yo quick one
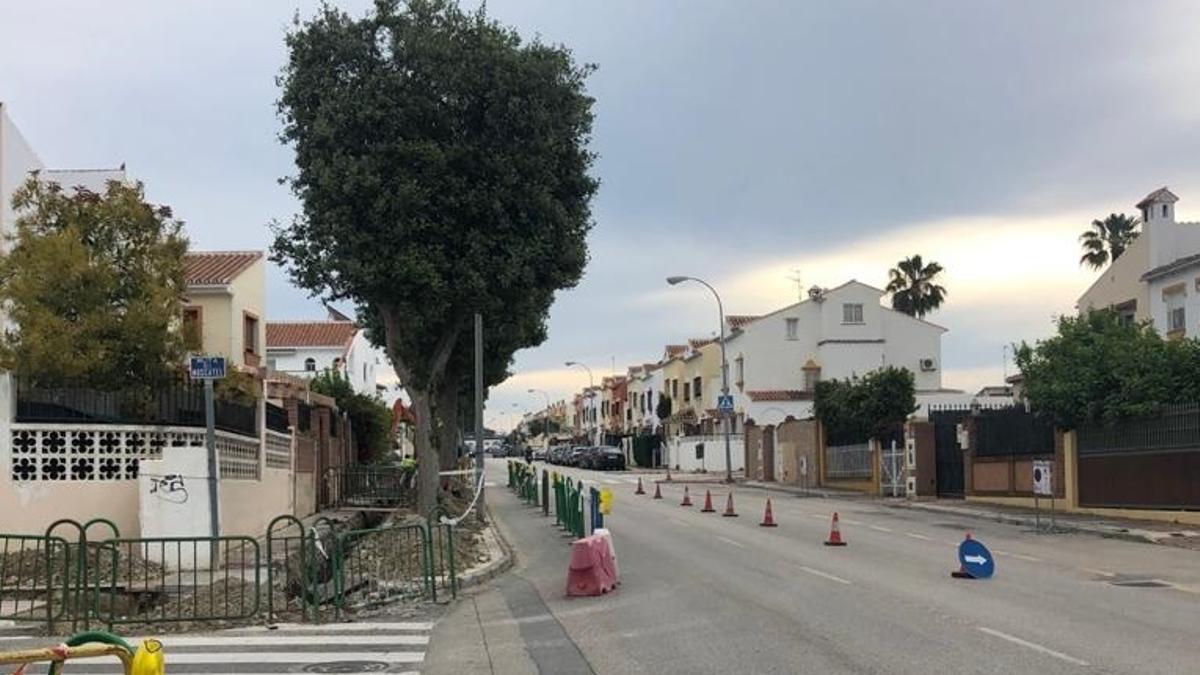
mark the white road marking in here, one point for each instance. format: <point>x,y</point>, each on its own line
<point>824,575</point>
<point>817,516</point>
<point>330,627</point>
<point>679,521</point>
<point>881,528</point>
<point>1103,573</point>
<point>488,484</point>
<point>221,640</point>
<point>852,522</point>
<point>1034,646</point>
<point>1019,556</point>
<point>1185,589</point>
<point>610,481</point>
<point>731,542</point>
<point>917,535</point>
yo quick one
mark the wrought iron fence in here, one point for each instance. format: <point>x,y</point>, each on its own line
<point>173,404</point>
<point>849,461</point>
<point>1011,431</point>
<point>277,418</point>
<point>373,566</point>
<point>371,487</point>
<point>35,575</point>
<point>1172,427</point>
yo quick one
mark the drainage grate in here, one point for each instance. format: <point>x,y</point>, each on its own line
<point>1140,583</point>
<point>347,667</point>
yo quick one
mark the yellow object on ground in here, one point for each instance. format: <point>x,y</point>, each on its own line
<point>148,659</point>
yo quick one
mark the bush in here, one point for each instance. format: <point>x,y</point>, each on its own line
<point>370,418</point>
<point>853,411</point>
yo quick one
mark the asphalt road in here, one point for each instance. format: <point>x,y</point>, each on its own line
<point>706,594</point>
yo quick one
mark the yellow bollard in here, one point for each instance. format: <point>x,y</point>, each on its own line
<point>148,659</point>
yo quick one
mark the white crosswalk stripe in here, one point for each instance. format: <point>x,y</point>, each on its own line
<point>392,647</point>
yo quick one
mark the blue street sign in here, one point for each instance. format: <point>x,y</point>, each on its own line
<point>725,403</point>
<point>208,367</point>
<point>975,559</point>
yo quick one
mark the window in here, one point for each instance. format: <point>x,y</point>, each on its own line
<point>687,392</point>
<point>1164,210</point>
<point>811,377</point>
<point>310,364</point>
<point>740,365</point>
<point>250,333</point>
<point>1176,321</point>
<point>675,389</point>
<point>696,388</point>
<point>793,329</point>
<point>193,328</point>
<point>271,364</point>
<point>1176,316</point>
<point>364,372</point>
<point>852,312</point>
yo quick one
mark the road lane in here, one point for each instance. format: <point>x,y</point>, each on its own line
<point>702,593</point>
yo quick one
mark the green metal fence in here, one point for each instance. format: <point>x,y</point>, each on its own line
<point>372,566</point>
<point>292,568</point>
<point>35,574</point>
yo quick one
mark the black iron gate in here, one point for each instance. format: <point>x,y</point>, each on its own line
<point>948,454</point>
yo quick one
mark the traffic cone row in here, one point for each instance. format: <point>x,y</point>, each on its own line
<point>729,512</point>
<point>768,517</point>
<point>657,491</point>
<point>639,491</point>
<point>835,533</point>
<point>687,499</point>
<point>708,508</point>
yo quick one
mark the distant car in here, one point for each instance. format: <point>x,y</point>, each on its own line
<point>590,457</point>
<point>540,455</point>
<point>576,455</point>
<point>608,457</point>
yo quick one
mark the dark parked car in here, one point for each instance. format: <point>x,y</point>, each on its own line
<point>607,457</point>
<point>576,455</point>
<point>587,460</point>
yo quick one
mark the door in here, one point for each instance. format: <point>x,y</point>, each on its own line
<point>948,455</point>
<point>768,454</point>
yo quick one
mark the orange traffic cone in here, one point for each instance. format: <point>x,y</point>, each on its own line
<point>729,512</point>
<point>708,503</point>
<point>835,533</point>
<point>657,491</point>
<point>687,500</point>
<point>768,517</point>
<point>961,572</point>
<point>639,491</point>
<point>668,474</point>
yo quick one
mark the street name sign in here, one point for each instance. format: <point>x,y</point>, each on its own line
<point>207,367</point>
<point>1042,484</point>
<point>975,559</point>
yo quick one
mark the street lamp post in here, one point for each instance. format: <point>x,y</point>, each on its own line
<point>546,422</point>
<point>724,368</point>
<point>591,394</point>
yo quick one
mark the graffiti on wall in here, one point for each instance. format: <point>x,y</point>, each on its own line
<point>169,488</point>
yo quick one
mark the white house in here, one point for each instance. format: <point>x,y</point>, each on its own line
<point>1157,278</point>
<point>305,348</point>
<point>776,360</point>
<point>645,384</point>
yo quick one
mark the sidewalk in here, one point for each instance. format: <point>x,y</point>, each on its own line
<point>1152,532</point>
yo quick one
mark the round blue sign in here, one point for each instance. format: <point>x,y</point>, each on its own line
<point>975,559</point>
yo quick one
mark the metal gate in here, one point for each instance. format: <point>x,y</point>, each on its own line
<point>891,469</point>
<point>948,454</point>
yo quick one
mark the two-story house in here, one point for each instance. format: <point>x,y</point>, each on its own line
<point>224,306</point>
<point>305,348</point>
<point>842,332</point>
<point>1157,278</point>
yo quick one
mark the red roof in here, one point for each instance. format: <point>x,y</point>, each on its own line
<point>676,350</point>
<point>217,268</point>
<point>310,333</point>
<point>739,320</point>
<point>697,343</point>
<point>779,395</point>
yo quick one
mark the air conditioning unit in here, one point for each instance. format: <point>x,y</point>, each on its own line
<point>928,365</point>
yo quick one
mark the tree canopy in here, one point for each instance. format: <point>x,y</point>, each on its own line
<point>370,418</point>
<point>1099,367</point>
<point>1107,240</point>
<point>92,283</point>
<point>853,411</point>
<point>442,168</point>
<point>914,287</point>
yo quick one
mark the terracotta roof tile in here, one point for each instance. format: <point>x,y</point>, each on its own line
<point>217,268</point>
<point>310,333</point>
<point>779,395</point>
<point>697,343</point>
<point>739,320</point>
<point>676,350</point>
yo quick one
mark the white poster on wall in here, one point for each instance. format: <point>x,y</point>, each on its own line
<point>1042,485</point>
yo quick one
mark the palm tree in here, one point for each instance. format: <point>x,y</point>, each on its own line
<point>1107,240</point>
<point>913,289</point>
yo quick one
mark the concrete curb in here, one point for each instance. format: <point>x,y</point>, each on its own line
<point>1103,530</point>
<point>501,554</point>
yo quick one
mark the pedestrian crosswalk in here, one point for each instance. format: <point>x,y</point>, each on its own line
<point>367,647</point>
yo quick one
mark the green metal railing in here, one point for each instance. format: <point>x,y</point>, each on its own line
<point>381,564</point>
<point>291,554</point>
<point>33,570</point>
<point>442,569</point>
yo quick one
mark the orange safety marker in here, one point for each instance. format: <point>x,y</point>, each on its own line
<point>768,517</point>
<point>657,491</point>
<point>708,503</point>
<point>835,533</point>
<point>729,512</point>
<point>639,491</point>
<point>668,474</point>
<point>687,500</point>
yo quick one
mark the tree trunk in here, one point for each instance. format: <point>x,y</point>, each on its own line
<point>427,456</point>
<point>447,420</point>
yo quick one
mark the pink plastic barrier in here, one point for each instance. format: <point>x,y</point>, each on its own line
<point>592,570</point>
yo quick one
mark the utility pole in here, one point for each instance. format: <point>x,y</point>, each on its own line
<point>479,410</point>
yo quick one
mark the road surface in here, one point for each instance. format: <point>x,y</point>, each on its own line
<point>705,594</point>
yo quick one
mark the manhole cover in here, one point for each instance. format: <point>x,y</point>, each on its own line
<point>1140,583</point>
<point>347,667</point>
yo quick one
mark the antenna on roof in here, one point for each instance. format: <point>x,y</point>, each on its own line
<point>799,281</point>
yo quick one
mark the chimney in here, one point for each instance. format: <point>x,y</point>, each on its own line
<point>1158,224</point>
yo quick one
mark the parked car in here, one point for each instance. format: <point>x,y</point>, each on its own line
<point>576,455</point>
<point>587,458</point>
<point>539,455</point>
<point>607,457</point>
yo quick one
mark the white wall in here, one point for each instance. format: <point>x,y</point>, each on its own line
<point>17,159</point>
<point>1189,277</point>
<point>363,362</point>
<point>681,453</point>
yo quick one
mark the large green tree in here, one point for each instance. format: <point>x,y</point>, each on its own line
<point>914,288</point>
<point>853,411</point>
<point>92,283</point>
<point>1099,367</point>
<point>442,168</point>
<point>1107,240</point>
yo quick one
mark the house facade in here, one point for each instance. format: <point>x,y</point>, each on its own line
<point>305,348</point>
<point>776,360</point>
<point>1157,278</point>
<point>225,304</point>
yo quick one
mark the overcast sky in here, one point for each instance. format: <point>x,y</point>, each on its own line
<point>737,141</point>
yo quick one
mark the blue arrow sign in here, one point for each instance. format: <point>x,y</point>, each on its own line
<point>207,367</point>
<point>975,559</point>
